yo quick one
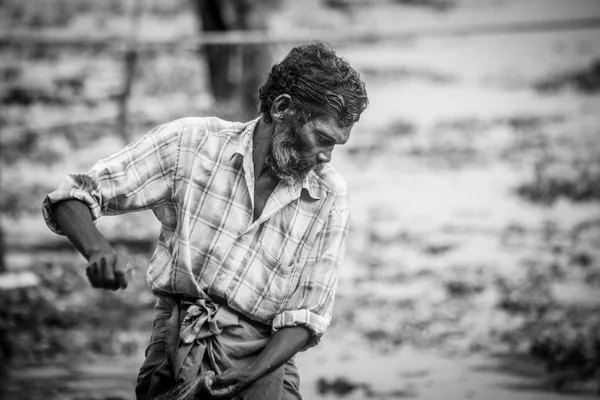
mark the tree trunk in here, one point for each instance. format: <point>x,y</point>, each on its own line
<point>224,61</point>
<point>2,252</point>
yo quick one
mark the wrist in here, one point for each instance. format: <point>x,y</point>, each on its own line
<point>253,372</point>
<point>98,251</point>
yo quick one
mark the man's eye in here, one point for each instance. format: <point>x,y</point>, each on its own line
<point>325,141</point>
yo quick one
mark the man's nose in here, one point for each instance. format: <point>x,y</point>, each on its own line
<point>324,156</point>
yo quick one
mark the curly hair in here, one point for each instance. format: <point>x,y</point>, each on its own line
<point>319,82</point>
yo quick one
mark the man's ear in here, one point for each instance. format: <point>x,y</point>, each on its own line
<point>282,107</point>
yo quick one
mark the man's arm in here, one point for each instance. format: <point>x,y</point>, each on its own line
<point>105,268</point>
<point>282,346</point>
<point>137,177</point>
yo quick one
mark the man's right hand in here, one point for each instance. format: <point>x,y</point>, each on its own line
<point>108,270</point>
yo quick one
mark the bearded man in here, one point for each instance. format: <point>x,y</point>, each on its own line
<point>254,225</point>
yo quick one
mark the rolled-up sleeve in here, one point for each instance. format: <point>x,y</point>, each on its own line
<point>311,304</point>
<point>138,177</point>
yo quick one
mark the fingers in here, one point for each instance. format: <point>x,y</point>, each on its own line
<point>228,384</point>
<point>224,379</point>
<point>120,272</point>
<point>108,276</point>
<point>93,274</point>
<point>214,392</point>
<point>108,271</point>
<point>207,382</point>
<point>224,393</point>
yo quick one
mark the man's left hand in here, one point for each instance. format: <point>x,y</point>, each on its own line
<point>227,384</point>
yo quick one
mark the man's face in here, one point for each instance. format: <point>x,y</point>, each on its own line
<point>296,150</point>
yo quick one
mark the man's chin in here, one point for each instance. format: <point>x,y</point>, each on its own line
<point>293,179</point>
<point>299,176</point>
<point>318,168</point>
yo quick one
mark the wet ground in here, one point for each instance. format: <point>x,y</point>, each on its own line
<point>451,271</point>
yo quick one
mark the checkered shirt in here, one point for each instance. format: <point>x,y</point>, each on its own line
<point>196,175</point>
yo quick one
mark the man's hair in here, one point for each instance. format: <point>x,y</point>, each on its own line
<point>319,82</point>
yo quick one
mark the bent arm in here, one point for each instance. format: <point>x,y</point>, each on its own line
<point>137,177</point>
<point>282,346</point>
<point>73,217</point>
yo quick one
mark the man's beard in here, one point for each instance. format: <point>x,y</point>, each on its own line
<point>284,158</point>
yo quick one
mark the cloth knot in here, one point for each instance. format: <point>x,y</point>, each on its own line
<point>201,320</point>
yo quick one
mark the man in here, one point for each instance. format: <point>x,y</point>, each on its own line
<point>254,225</point>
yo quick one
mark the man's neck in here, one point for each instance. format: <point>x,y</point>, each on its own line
<point>264,181</point>
<point>261,146</point>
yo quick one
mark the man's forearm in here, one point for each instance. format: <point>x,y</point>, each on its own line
<point>74,219</point>
<point>105,269</point>
<point>282,346</point>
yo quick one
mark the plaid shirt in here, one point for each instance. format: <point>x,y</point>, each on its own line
<point>196,174</point>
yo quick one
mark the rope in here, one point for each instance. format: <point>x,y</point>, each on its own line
<point>358,35</point>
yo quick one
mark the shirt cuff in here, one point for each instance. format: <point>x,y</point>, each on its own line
<point>316,323</point>
<point>61,195</point>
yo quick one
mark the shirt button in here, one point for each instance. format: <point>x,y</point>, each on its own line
<point>222,277</point>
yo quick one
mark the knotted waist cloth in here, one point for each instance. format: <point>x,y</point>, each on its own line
<point>193,336</point>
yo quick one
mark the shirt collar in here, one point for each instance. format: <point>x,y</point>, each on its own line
<point>245,141</point>
<point>311,183</point>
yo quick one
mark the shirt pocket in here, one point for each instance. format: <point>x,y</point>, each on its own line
<point>280,275</point>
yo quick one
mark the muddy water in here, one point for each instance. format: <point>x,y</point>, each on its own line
<point>99,379</point>
<point>423,374</point>
<point>360,373</point>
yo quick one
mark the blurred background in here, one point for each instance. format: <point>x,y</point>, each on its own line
<point>473,265</point>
